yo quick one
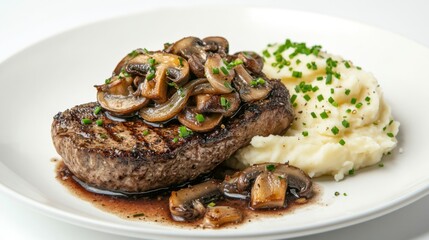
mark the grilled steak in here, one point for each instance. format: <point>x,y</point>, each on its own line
<point>133,156</point>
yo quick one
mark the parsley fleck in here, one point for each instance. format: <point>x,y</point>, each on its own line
<point>342,142</point>
<point>97,110</point>
<point>86,121</point>
<point>145,132</point>
<point>99,122</point>
<point>305,133</point>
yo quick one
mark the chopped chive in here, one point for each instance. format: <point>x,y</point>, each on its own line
<point>313,66</point>
<point>324,115</point>
<point>145,132</point>
<point>215,70</point>
<point>352,171</point>
<point>86,121</point>
<point>335,130</point>
<point>99,122</point>
<point>315,89</point>
<point>320,98</point>
<point>150,76</point>
<point>367,99</point>
<point>347,64</point>
<point>296,74</point>
<point>271,167</point>
<point>332,91</point>
<point>308,65</point>
<point>200,118</point>
<point>224,70</point>
<point>184,132</point>
<point>359,68</point>
<point>266,53</point>
<point>347,92</point>
<point>337,194</point>
<point>293,98</point>
<point>353,101</point>
<point>305,133</point>
<point>359,105</point>
<point>307,97</point>
<point>348,110</point>
<point>313,115</point>
<point>97,110</point>
<point>133,54</point>
<point>390,134</point>
<point>381,164</point>
<point>181,61</point>
<point>342,142</point>
<point>175,140</point>
<point>345,123</point>
<point>151,61</point>
<point>108,80</point>
<point>319,78</point>
<point>328,79</point>
<point>298,61</point>
<point>211,204</point>
<point>225,103</point>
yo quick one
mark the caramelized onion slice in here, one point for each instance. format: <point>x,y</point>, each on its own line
<point>199,122</point>
<point>173,106</point>
<point>218,74</point>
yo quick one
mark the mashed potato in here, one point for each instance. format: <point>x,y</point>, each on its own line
<point>342,123</point>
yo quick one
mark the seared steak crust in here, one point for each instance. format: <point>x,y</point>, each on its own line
<point>124,157</point>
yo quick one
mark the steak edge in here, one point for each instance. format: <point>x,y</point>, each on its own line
<point>124,157</point>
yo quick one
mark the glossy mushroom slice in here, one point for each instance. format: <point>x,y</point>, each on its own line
<point>239,184</point>
<point>216,44</point>
<point>175,104</point>
<point>193,50</point>
<point>252,61</point>
<point>189,203</point>
<point>157,68</point>
<point>250,88</point>
<point>119,96</point>
<point>268,191</point>
<point>218,74</point>
<point>227,104</point>
<point>199,122</point>
<point>220,215</point>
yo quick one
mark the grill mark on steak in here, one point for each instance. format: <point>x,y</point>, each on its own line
<point>127,161</point>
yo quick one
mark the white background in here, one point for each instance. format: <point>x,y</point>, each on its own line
<point>25,22</point>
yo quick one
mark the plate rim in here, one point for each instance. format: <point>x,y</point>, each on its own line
<point>421,191</point>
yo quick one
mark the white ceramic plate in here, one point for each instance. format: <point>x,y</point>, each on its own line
<point>59,73</point>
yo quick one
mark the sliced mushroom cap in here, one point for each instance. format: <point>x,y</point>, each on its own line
<point>218,74</point>
<point>227,104</point>
<point>188,203</point>
<point>268,191</point>
<point>192,49</point>
<point>119,97</point>
<point>250,89</point>
<point>175,104</point>
<point>221,215</point>
<point>239,184</point>
<point>251,60</point>
<point>157,68</point>
<point>217,44</point>
<point>199,122</point>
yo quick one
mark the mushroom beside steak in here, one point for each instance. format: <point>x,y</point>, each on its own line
<point>266,186</point>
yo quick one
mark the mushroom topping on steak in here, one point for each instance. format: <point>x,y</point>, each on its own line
<point>204,120</point>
